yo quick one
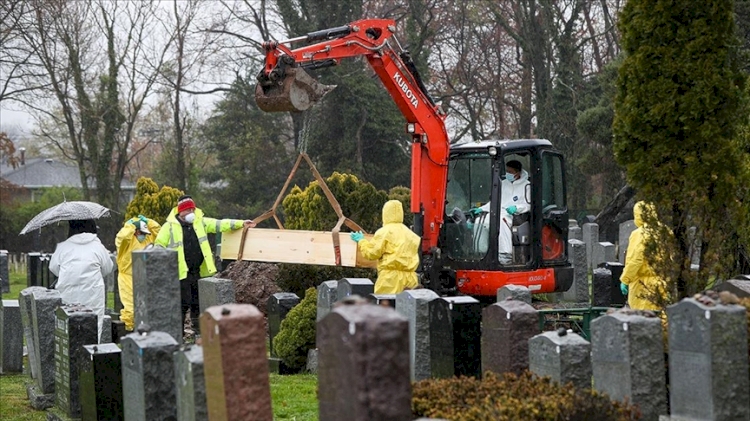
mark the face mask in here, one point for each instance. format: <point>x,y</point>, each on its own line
<point>190,218</point>
<point>510,177</point>
<point>141,237</point>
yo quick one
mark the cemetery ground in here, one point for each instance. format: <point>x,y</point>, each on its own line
<point>294,396</point>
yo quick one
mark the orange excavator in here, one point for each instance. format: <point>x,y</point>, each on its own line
<point>456,189</point>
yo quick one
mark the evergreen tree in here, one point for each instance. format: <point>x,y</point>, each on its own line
<point>680,104</point>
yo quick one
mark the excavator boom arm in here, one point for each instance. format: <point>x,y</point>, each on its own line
<point>284,86</point>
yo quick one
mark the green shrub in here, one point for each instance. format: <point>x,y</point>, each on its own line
<point>516,398</point>
<point>297,333</point>
<point>151,201</point>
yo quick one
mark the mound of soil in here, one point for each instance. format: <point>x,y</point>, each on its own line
<point>254,282</point>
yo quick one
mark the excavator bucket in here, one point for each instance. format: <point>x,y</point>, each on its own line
<point>297,91</point>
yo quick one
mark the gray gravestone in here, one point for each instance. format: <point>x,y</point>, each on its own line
<point>156,291</point>
<point>579,291</point>
<point>11,337</point>
<point>100,378</point>
<point>278,307</point>
<point>414,305</point>
<point>386,300</point>
<point>602,287</point>
<point>708,364</point>
<point>455,337</point>
<point>627,361</point>
<point>626,228</point>
<point>738,287</point>
<point>75,326</point>
<point>327,293</point>
<point>590,237</point>
<point>575,233</point>
<point>507,327</point>
<point>148,376</point>
<point>25,297</point>
<point>191,385</point>
<point>354,286</point>
<point>514,292</point>
<point>109,279</point>
<point>572,223</point>
<point>215,292</point>
<point>364,365</point>
<point>4,272</point>
<point>602,252</point>
<point>106,330</point>
<point>43,305</point>
<point>563,356</point>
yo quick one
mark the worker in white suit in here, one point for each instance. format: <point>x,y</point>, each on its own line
<point>513,201</point>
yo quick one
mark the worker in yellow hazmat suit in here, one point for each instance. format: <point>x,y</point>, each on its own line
<point>395,247</point>
<point>136,234</point>
<point>638,280</point>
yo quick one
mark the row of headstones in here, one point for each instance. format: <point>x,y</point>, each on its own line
<point>453,336</point>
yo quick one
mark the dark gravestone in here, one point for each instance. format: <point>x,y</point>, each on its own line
<point>25,298</point>
<point>354,286</point>
<point>156,291</point>
<point>100,379</point>
<point>106,336</point>
<point>563,356</point>
<point>37,270</point>
<point>514,292</point>
<point>214,292</point>
<point>507,327</point>
<point>386,300</point>
<point>627,361</point>
<point>277,307</point>
<point>414,305</point>
<point>118,301</point>
<point>602,287</point>
<point>616,297</point>
<point>118,330</point>
<point>4,272</point>
<point>44,302</point>
<point>455,337</point>
<point>235,363</point>
<point>75,326</point>
<point>11,337</point>
<point>708,364</point>
<point>191,385</point>
<point>364,365</point>
<point>327,293</point>
<point>737,287</point>
<point>148,388</point>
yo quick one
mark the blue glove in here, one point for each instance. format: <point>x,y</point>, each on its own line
<point>475,211</point>
<point>469,225</point>
<point>143,219</point>
<point>624,288</point>
<point>357,236</point>
<point>511,209</point>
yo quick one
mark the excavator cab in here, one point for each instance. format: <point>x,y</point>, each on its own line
<point>482,245</point>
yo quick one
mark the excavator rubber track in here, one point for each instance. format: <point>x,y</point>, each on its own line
<point>295,91</point>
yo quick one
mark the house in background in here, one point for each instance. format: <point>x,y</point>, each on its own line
<point>33,175</point>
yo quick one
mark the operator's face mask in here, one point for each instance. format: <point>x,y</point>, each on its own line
<point>190,218</point>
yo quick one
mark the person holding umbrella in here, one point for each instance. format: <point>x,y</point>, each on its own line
<point>136,234</point>
<point>80,263</point>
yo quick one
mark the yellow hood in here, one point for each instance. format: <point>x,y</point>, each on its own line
<point>638,211</point>
<point>393,212</point>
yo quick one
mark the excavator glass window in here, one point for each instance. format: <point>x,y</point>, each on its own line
<point>469,187</point>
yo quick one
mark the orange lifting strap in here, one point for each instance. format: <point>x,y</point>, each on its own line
<point>332,200</point>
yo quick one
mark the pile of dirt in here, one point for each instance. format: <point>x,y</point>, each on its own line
<point>254,282</point>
